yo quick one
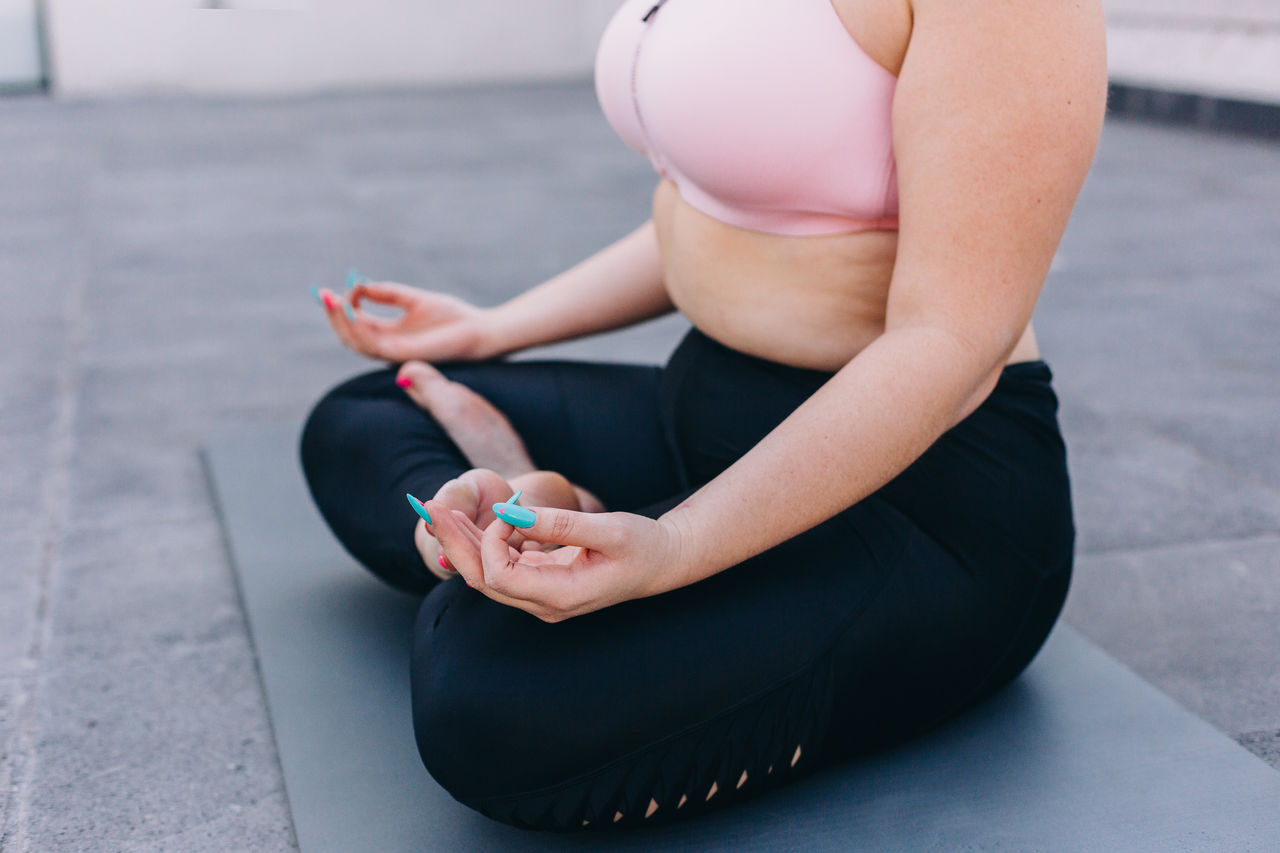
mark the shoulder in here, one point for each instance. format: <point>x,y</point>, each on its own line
<point>1043,31</point>
<point>1039,64</point>
<point>996,117</point>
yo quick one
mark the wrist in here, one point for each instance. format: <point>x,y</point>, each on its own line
<point>680,559</point>
<point>496,336</point>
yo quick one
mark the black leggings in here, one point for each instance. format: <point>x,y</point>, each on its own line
<point>889,618</point>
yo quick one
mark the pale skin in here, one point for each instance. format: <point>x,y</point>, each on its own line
<point>996,117</point>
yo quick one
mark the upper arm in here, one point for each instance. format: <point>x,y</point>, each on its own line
<point>996,117</point>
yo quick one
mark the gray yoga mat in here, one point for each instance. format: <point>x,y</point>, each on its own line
<point>1078,755</point>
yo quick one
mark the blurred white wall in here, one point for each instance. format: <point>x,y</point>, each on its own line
<point>1226,47</point>
<point>281,46</point>
<point>19,46</point>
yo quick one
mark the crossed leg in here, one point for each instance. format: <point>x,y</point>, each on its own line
<point>575,434</point>
<point>853,634</point>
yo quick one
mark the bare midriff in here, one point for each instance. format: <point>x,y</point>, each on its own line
<point>811,301</point>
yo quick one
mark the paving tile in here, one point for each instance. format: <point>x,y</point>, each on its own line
<point>20,559</point>
<point>194,226</point>
<point>143,751</point>
<point>8,747</point>
<point>1136,488</point>
<point>167,570</point>
<point>1200,621</point>
<point>25,456</point>
<point>19,593</point>
<point>152,723</point>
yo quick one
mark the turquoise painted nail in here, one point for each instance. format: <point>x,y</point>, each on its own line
<point>353,277</point>
<point>516,516</point>
<point>315,294</point>
<point>350,312</point>
<point>419,508</point>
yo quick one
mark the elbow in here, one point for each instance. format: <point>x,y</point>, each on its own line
<point>987,354</point>
<point>978,396</point>
<point>974,361</point>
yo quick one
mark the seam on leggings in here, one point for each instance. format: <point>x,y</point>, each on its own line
<point>825,650</point>
<point>929,535</point>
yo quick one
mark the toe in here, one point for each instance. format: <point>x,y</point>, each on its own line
<point>456,406</point>
<point>419,380</point>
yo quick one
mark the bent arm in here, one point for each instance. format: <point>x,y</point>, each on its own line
<point>618,286</point>
<point>996,119</point>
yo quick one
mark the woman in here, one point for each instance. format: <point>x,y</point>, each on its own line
<point>840,514</point>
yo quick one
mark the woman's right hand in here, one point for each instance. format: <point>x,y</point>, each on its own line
<point>434,327</point>
<point>474,492</point>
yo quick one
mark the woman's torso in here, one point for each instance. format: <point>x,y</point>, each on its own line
<point>813,300</point>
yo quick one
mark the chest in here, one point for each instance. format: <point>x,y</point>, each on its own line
<point>754,104</point>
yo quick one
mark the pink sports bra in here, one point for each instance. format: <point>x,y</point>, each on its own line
<point>765,114</point>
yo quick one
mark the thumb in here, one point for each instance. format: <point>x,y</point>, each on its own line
<point>598,531</point>
<point>385,292</point>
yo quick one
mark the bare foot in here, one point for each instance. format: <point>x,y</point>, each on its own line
<point>482,433</point>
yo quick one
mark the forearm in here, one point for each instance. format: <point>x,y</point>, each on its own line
<point>871,420</point>
<point>619,285</point>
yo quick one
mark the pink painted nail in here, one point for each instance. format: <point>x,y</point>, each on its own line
<point>328,300</point>
<point>443,564</point>
<point>404,381</point>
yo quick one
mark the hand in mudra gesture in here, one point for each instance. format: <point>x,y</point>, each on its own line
<point>433,326</point>
<point>473,494</point>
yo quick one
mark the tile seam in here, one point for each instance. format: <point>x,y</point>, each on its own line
<point>54,506</point>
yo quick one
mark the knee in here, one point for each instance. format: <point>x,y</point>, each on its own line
<point>342,451</point>
<point>460,713</point>
<point>529,746</point>
<point>334,422</point>
<point>486,725</point>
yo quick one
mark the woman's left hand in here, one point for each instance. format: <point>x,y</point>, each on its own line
<point>606,558</point>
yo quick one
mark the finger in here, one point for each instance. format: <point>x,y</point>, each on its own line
<point>368,336</point>
<point>350,326</point>
<point>504,573</point>
<point>495,550</point>
<point>533,578</point>
<point>598,531</point>
<point>385,293</point>
<point>463,537</point>
<point>337,319</point>
<point>460,545</point>
<point>470,566</point>
<point>472,494</point>
<point>379,325</point>
<point>369,322</point>
<point>432,556</point>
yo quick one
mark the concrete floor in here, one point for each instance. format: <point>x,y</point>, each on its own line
<point>154,257</point>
